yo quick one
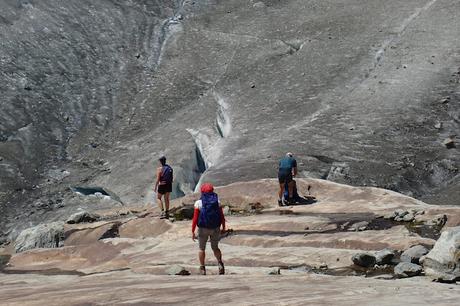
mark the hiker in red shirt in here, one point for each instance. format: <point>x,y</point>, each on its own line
<point>209,217</point>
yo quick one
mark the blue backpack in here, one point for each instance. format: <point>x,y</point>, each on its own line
<point>210,211</point>
<point>167,174</point>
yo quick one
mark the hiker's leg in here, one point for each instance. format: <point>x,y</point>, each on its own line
<point>280,193</point>
<point>167,201</point>
<point>218,254</point>
<point>215,237</point>
<point>201,257</point>
<point>160,202</point>
<point>291,189</point>
<point>202,240</point>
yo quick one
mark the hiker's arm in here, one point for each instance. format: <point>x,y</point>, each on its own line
<point>196,213</point>
<point>158,179</point>
<point>294,168</point>
<point>222,218</point>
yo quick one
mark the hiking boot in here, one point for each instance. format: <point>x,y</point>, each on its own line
<point>167,214</point>
<point>162,215</point>
<point>280,202</point>
<point>221,268</point>
<point>284,202</point>
<point>202,270</point>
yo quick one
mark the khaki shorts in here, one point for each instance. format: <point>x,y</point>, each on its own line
<point>205,233</point>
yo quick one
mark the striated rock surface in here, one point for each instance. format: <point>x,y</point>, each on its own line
<point>306,246</point>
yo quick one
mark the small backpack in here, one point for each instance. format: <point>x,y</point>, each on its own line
<point>295,193</point>
<point>209,213</point>
<point>167,174</point>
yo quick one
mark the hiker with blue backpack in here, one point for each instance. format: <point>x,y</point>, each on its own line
<point>163,186</point>
<point>286,173</point>
<point>209,217</point>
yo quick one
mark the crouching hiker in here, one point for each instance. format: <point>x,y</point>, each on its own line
<point>209,216</point>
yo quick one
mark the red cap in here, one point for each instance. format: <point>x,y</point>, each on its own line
<point>207,188</point>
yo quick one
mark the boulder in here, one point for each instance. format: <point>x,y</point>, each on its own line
<point>414,254</point>
<point>49,235</point>
<point>384,257</point>
<point>364,260</point>
<point>443,261</point>
<point>83,217</point>
<point>177,270</point>
<point>184,212</point>
<point>407,269</point>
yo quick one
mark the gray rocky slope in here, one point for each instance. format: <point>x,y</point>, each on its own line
<point>92,92</point>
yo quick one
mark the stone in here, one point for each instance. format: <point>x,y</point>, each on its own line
<point>83,217</point>
<point>414,254</point>
<point>443,261</point>
<point>399,215</point>
<point>407,269</point>
<point>364,260</point>
<point>438,220</point>
<point>4,240</point>
<point>258,5</point>
<point>359,226</point>
<point>385,257</point>
<point>438,125</point>
<point>445,100</point>
<point>275,271</point>
<point>226,210</point>
<point>408,218</point>
<point>449,143</point>
<point>4,259</point>
<point>390,215</point>
<point>49,235</point>
<point>177,270</point>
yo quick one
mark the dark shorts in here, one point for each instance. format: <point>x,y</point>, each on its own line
<point>285,177</point>
<point>162,189</point>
